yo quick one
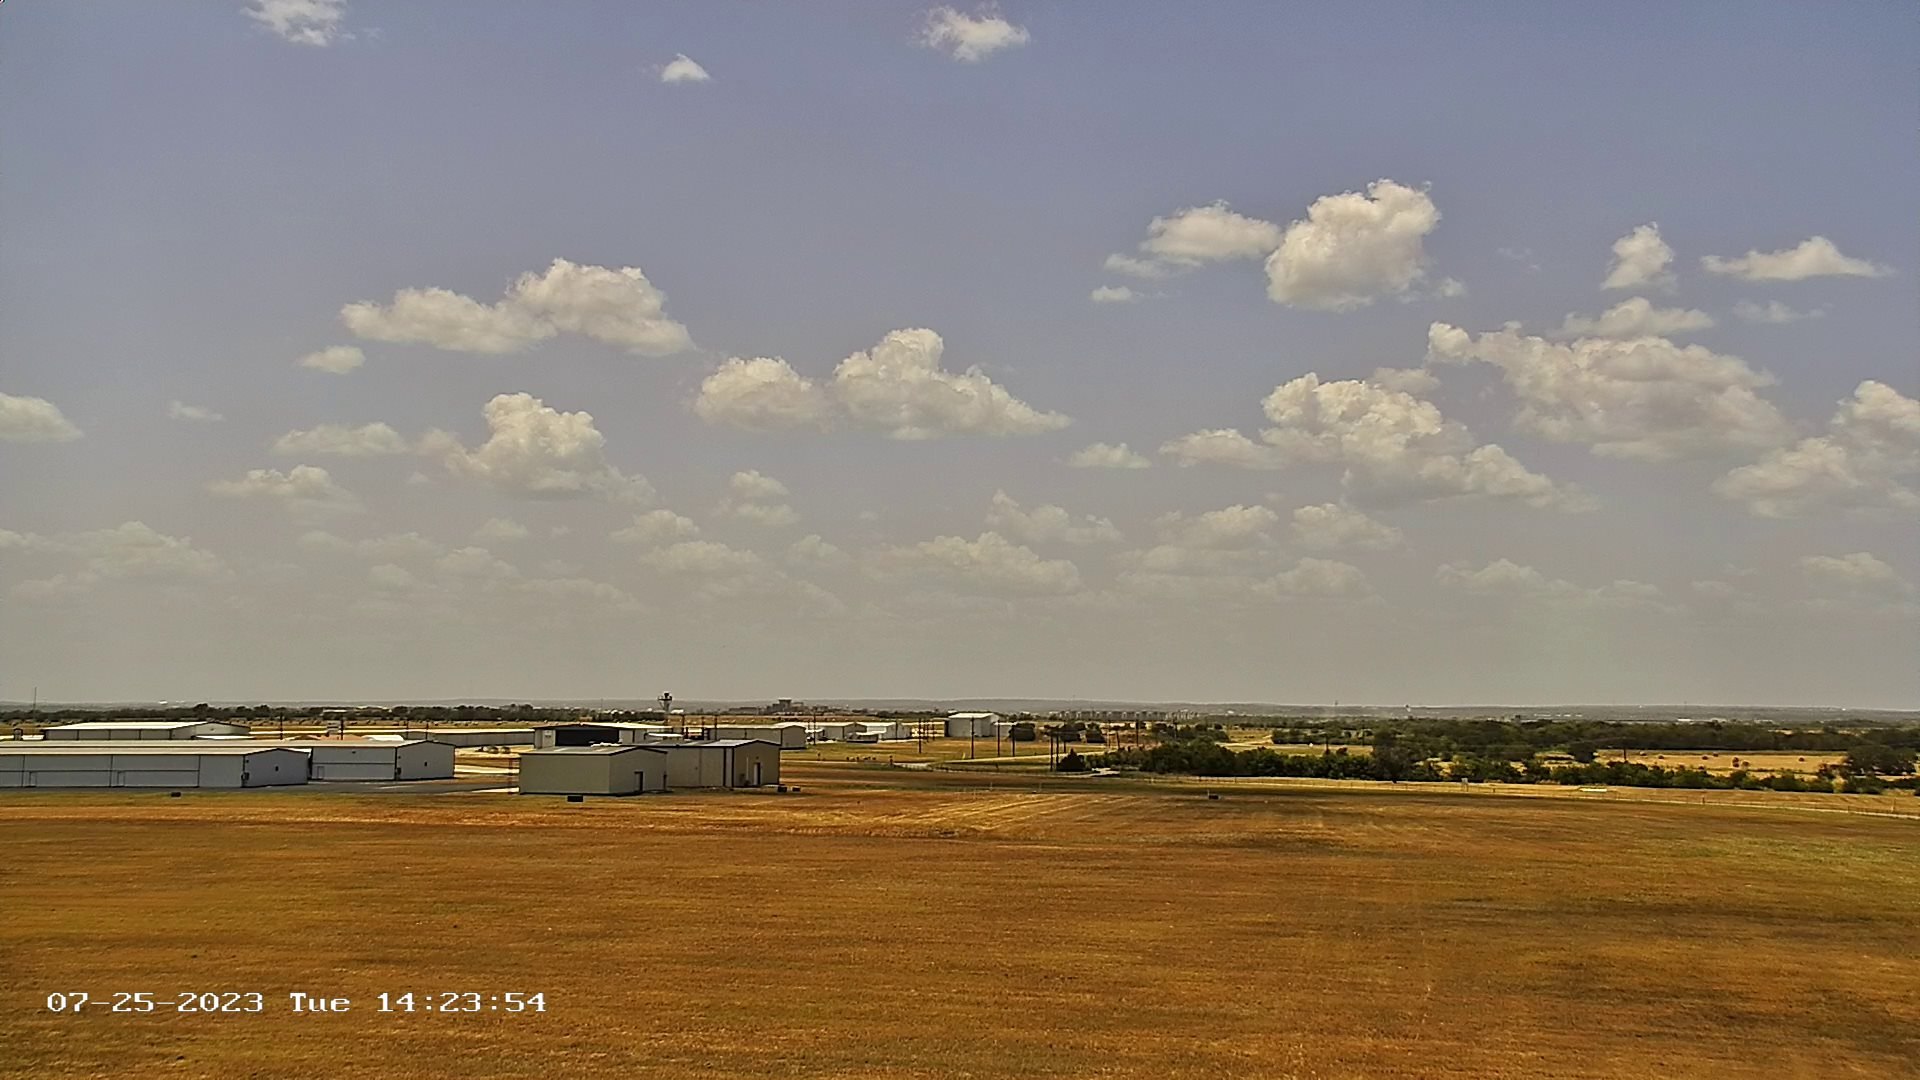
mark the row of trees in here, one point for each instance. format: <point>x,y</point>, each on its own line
<point>1394,763</point>
<point>1518,739</point>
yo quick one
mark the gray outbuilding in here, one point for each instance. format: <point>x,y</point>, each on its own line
<point>602,769</point>
<point>163,764</point>
<point>142,730</point>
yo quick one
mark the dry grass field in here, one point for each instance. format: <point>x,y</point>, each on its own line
<point>887,923</point>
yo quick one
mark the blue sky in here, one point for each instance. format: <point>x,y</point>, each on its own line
<point>191,194</point>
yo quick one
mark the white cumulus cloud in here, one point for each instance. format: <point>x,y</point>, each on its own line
<point>758,498</point>
<point>1635,317</point>
<point>683,69</point>
<point>754,484</point>
<point>32,419</point>
<point>657,526</point>
<point>339,440</point>
<point>970,38</point>
<point>1813,257</point>
<point>536,451</point>
<point>334,360</point>
<point>302,489</point>
<point>192,414</point>
<point>1211,233</point>
<point>1640,260</point>
<point>1352,248</point>
<point>1864,461</point>
<point>1113,294</point>
<point>897,387</point>
<point>1331,527</point>
<point>619,307</point>
<point>1773,311</point>
<point>1860,570</point>
<point>1392,446</point>
<point>990,564</point>
<point>133,551</point>
<point>1643,398</point>
<point>1047,523</point>
<point>1107,456</point>
<point>302,22</point>
<point>815,553</point>
<point>1317,577</point>
<point>1516,581</point>
<point>762,394</point>
<point>500,531</point>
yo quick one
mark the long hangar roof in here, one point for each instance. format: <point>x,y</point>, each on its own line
<point>103,748</point>
<point>101,725</point>
<point>599,749</point>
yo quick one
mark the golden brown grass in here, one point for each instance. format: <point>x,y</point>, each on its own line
<point>883,923</point>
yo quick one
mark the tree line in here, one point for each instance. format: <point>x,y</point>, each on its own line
<point>1394,763</point>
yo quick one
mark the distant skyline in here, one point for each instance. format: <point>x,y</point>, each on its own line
<point>1391,353</point>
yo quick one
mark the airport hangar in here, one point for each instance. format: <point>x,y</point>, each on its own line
<point>172,763</point>
<point>370,759</point>
<point>129,730</point>
<point>629,768</point>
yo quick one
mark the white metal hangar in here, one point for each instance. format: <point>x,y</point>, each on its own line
<point>455,736</point>
<point>162,764</point>
<point>967,725</point>
<point>128,730</point>
<point>600,769</point>
<point>366,759</point>
<point>721,763</point>
<point>787,736</point>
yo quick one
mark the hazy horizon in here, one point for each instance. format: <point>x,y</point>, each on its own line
<point>367,351</point>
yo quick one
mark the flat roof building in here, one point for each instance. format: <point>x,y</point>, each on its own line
<point>163,764</point>
<point>604,769</point>
<point>128,730</point>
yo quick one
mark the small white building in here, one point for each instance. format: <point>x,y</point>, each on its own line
<point>141,730</point>
<point>787,736</point>
<point>834,730</point>
<point>151,764</point>
<point>973,725</point>
<point>886,731</point>
<point>599,769</point>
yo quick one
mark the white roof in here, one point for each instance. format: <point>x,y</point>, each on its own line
<point>107,748</point>
<point>598,749</point>
<point>158,725</point>
<point>971,715</point>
